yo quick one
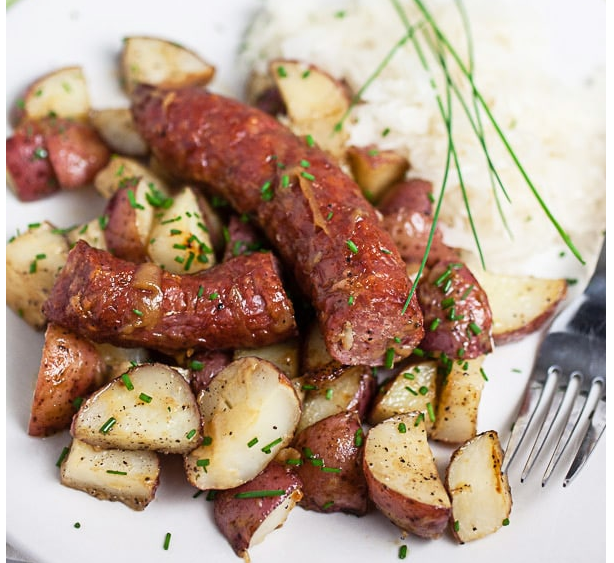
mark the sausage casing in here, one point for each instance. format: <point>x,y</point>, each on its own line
<point>238,303</point>
<point>320,224</point>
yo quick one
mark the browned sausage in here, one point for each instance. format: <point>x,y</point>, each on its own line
<point>238,303</point>
<point>314,215</point>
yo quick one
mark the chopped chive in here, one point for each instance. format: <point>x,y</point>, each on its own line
<point>386,132</point>
<point>294,461</point>
<point>411,390</point>
<point>305,163</point>
<point>116,472</point>
<point>145,398</point>
<point>127,382</point>
<point>252,442</point>
<point>408,375</point>
<point>214,295</point>
<point>436,322</point>
<point>328,504</point>
<point>77,525</point>
<point>203,463</point>
<point>419,419</point>
<point>431,411</point>
<point>402,427</point>
<point>196,365</point>
<point>423,390</point>
<point>456,525</point>
<point>261,494</point>
<point>281,72</point>
<point>447,302</point>
<point>506,522</point>
<point>331,469</point>
<point>402,551</point>
<point>77,403</point>
<point>310,141</point>
<point>63,455</point>
<point>484,376</point>
<point>167,541</point>
<point>197,494</point>
<point>389,360</point>
<point>267,449</point>
<point>475,328</point>
<point>106,427</point>
<point>358,437</point>
<point>309,387</point>
<point>285,181</point>
<point>466,292</point>
<point>137,312</point>
<point>351,299</point>
<point>329,394</point>
<point>352,246</point>
<point>191,434</point>
<point>317,462</point>
<point>211,494</point>
<point>308,176</point>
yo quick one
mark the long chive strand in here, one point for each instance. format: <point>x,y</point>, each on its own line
<point>566,238</point>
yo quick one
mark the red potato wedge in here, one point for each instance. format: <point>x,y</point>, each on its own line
<point>71,368</point>
<point>460,392</point>
<point>331,465</point>
<point>116,127</point>
<point>130,214</point>
<point>315,102</point>
<point>250,412</point>
<point>130,477</point>
<point>156,61</point>
<point>412,389</point>
<point>33,261</point>
<point>76,151</point>
<point>402,476</point>
<point>61,93</point>
<point>29,172</point>
<point>118,360</point>
<point>248,513</point>
<point>179,240</point>
<point>284,355</point>
<point>120,170</point>
<point>204,365</point>
<point>457,315</point>
<point>520,305</point>
<point>151,408</point>
<point>352,389</point>
<point>375,170</point>
<point>480,493</point>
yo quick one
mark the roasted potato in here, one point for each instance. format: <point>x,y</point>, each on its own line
<point>33,261</point>
<point>61,93</point>
<point>480,493</point>
<point>71,368</point>
<point>458,401</point>
<point>375,170</point>
<point>316,361</point>
<point>75,150</point>
<point>457,315</point>
<point>118,361</point>
<point>331,465</point>
<point>284,355</point>
<point>91,232</point>
<point>156,61</point>
<point>413,388</point>
<point>151,407</point>
<point>204,365</point>
<point>29,172</point>
<point>402,477</point>
<point>315,102</point>
<point>130,477</point>
<point>250,412</point>
<point>248,513</point>
<point>520,305</point>
<point>179,240</point>
<point>350,390</point>
<point>116,127</point>
<point>122,169</point>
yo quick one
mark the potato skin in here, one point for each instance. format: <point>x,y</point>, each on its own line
<point>71,368</point>
<point>238,303</point>
<point>239,518</point>
<point>457,319</point>
<point>320,223</point>
<point>29,171</point>
<point>339,484</point>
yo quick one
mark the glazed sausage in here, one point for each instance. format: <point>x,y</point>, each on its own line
<point>238,303</point>
<point>313,214</point>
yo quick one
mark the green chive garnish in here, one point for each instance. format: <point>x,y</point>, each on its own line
<point>267,449</point>
<point>352,246</point>
<point>261,494</point>
<point>252,442</point>
<point>106,427</point>
<point>127,382</point>
<point>167,540</point>
<point>63,455</point>
<point>145,398</point>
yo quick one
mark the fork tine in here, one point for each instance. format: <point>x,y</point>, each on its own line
<point>551,413</point>
<point>573,416</point>
<point>593,432</point>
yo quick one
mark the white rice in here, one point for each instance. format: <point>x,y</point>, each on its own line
<point>554,121</point>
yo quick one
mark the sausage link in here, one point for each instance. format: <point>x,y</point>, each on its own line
<point>240,303</point>
<point>314,215</point>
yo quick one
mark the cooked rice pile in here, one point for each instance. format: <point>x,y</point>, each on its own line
<point>556,127</point>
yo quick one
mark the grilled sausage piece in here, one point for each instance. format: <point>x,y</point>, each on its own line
<point>320,224</point>
<point>240,303</point>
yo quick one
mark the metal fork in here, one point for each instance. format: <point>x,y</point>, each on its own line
<point>566,389</point>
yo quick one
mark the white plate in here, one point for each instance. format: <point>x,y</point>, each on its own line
<point>552,524</point>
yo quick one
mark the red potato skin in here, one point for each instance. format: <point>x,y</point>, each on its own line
<point>121,234</point>
<point>408,217</point>
<point>455,337</point>
<point>28,164</point>
<point>76,151</point>
<point>118,302</point>
<point>314,222</point>
<point>71,368</point>
<point>239,518</point>
<point>333,441</point>
<point>213,361</point>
